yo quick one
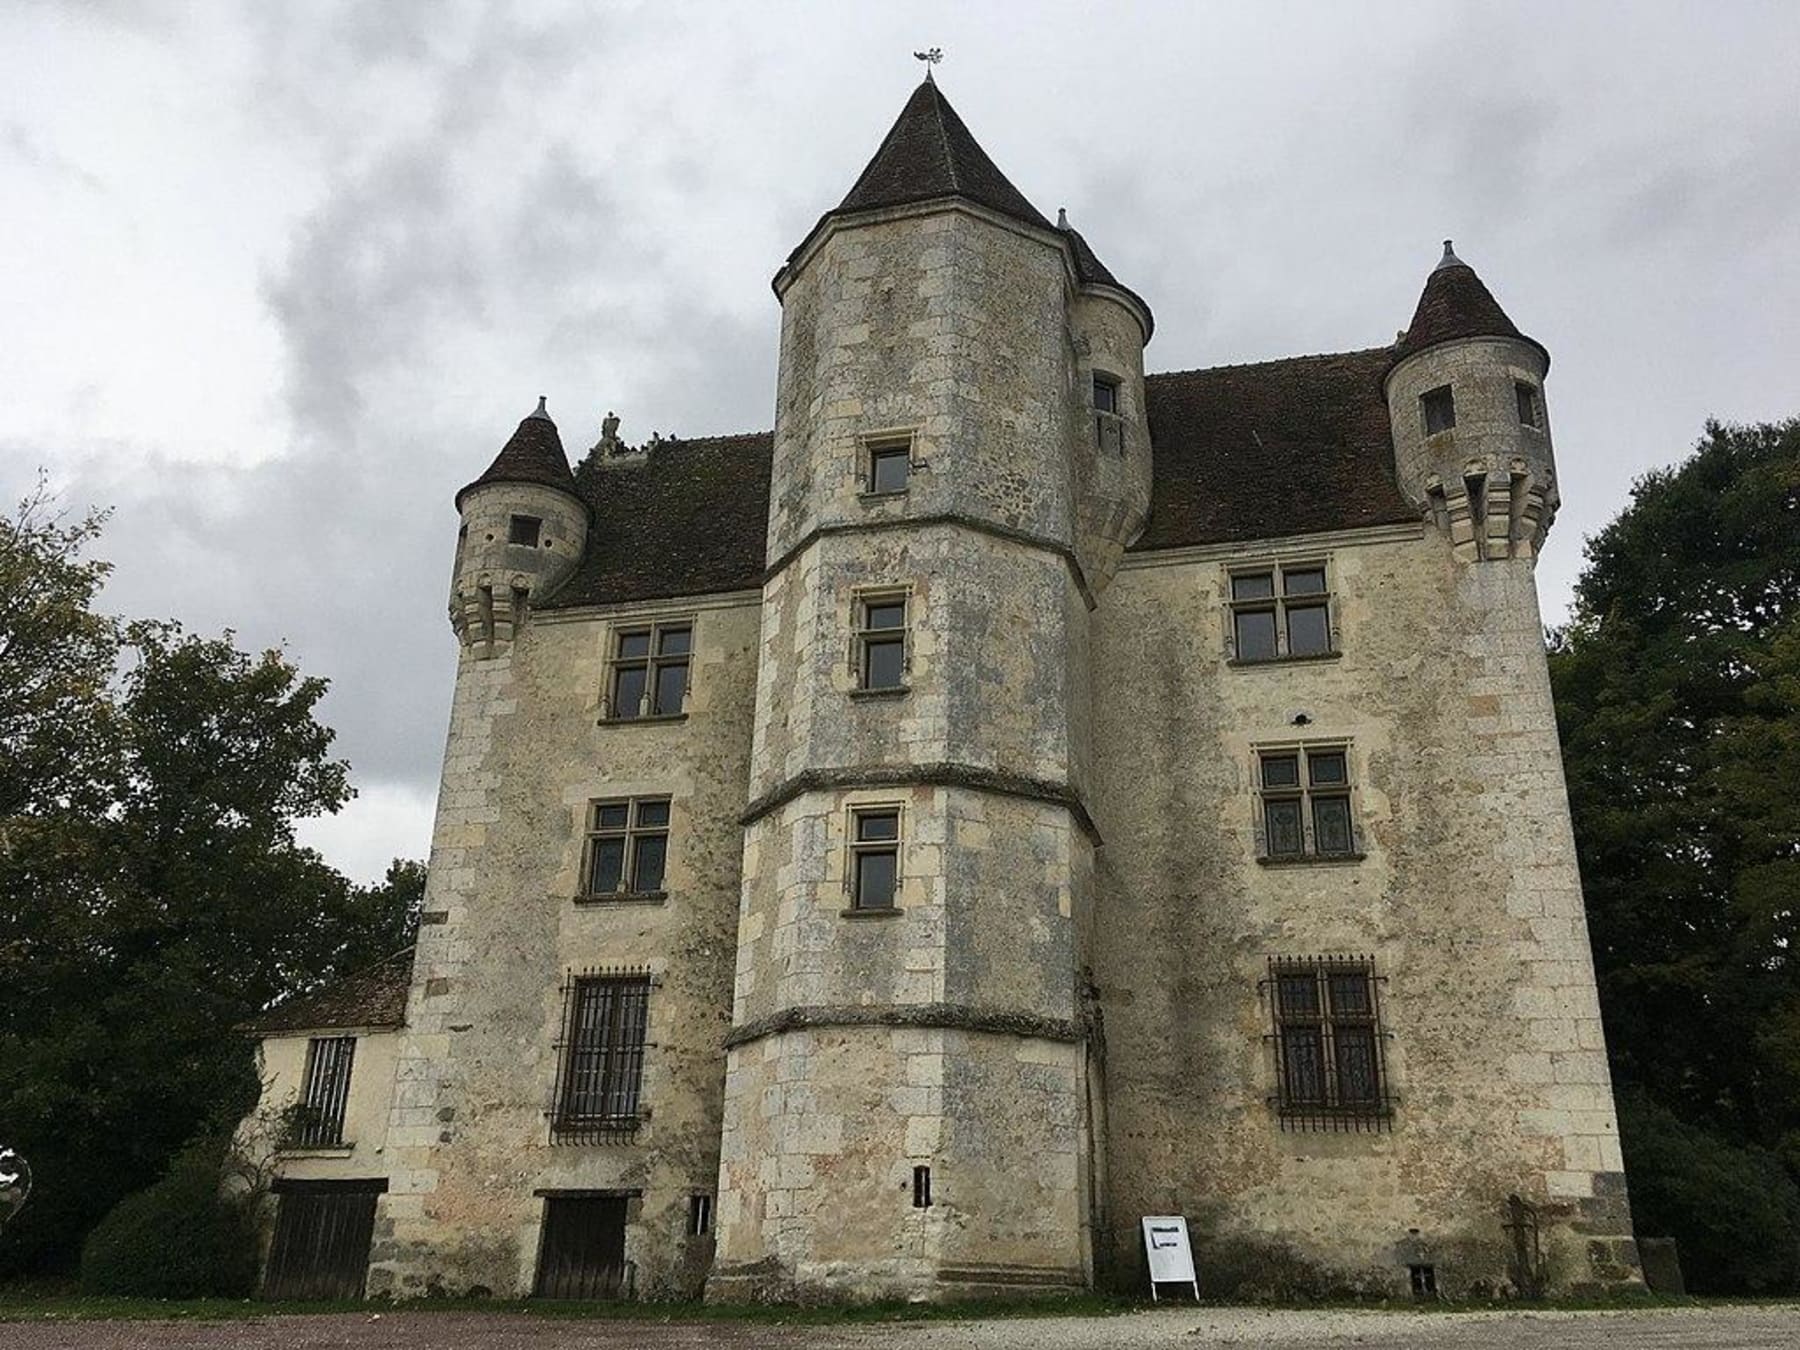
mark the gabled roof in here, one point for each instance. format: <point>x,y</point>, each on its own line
<point>1271,449</point>
<point>533,455</point>
<point>374,996</point>
<point>1455,304</point>
<point>930,153</point>
<point>689,518</point>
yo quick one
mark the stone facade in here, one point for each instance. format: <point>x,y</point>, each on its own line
<point>1073,1012</point>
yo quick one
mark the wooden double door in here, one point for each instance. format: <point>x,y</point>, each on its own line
<point>322,1232</point>
<point>581,1253</point>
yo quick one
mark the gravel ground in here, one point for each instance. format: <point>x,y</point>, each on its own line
<point>1760,1328</point>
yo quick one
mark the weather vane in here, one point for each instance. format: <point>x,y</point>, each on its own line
<point>930,56</point>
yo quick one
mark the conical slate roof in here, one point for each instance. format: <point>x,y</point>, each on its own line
<point>1455,305</point>
<point>533,455</point>
<point>929,153</point>
<point>1089,268</point>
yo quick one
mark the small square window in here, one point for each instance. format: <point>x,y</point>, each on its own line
<point>875,858</point>
<point>1527,396</point>
<point>1253,586</point>
<point>1281,770</point>
<point>888,467</point>
<point>524,530</point>
<point>1439,408</point>
<point>1106,394</point>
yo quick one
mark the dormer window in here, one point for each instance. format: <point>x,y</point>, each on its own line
<point>524,531</point>
<point>1439,408</point>
<point>1530,414</point>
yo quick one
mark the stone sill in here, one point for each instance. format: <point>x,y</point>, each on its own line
<point>1239,664</point>
<point>898,691</point>
<point>629,721</point>
<point>336,1151</point>
<point>873,497</point>
<point>1312,860</point>
<point>885,912</point>
<point>623,898</point>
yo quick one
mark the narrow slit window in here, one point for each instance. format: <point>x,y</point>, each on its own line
<point>650,671</point>
<point>875,858</point>
<point>524,531</point>
<point>627,847</point>
<point>881,641</point>
<point>1527,396</point>
<point>1439,409</point>
<point>700,1208</point>
<point>921,1187</point>
<point>1109,425</point>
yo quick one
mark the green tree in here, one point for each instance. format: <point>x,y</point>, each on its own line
<point>1678,699</point>
<point>157,898</point>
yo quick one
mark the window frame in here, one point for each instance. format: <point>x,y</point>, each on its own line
<point>535,528</point>
<point>1431,397</point>
<point>884,445</point>
<point>652,662</point>
<point>632,834</point>
<point>324,1099</point>
<point>1332,1027</point>
<point>863,637</point>
<point>856,848</point>
<point>1281,603</point>
<point>1306,792</point>
<point>1109,423</point>
<point>1529,397</point>
<point>600,1055</point>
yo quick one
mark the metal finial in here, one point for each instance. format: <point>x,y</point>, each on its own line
<point>542,411</point>
<point>930,56</point>
<point>1062,218</point>
<point>1449,259</point>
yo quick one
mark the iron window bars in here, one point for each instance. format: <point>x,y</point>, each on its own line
<point>650,671</point>
<point>325,1093</point>
<point>874,876</point>
<point>600,1057</point>
<point>881,649</point>
<point>1305,796</point>
<point>627,848</point>
<point>1330,1059</point>
<point>1280,611</point>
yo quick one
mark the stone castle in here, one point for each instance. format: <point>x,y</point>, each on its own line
<point>891,855</point>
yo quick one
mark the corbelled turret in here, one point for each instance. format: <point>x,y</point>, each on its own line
<point>1471,428</point>
<point>523,531</point>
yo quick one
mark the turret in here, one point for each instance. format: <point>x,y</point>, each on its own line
<point>1471,427</point>
<point>524,527</point>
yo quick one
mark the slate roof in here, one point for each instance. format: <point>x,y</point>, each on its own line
<point>930,153</point>
<point>373,997</point>
<point>1455,304</point>
<point>1276,448</point>
<point>1089,268</point>
<point>690,518</point>
<point>533,455</point>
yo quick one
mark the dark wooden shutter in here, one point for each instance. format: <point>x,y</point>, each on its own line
<point>581,1253</point>
<point>322,1232</point>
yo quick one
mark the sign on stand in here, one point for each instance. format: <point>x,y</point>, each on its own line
<point>1171,1258</point>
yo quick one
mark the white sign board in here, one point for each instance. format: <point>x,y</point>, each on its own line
<point>1166,1247</point>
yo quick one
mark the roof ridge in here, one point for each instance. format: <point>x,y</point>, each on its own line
<point>1272,361</point>
<point>937,100</point>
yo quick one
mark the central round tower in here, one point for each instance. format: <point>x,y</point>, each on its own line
<point>960,456</point>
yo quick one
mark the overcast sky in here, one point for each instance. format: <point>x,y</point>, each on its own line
<point>278,278</point>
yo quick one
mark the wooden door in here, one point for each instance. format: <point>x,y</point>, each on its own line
<point>321,1247</point>
<point>582,1251</point>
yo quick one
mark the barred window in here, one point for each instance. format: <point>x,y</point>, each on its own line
<point>1330,1066</point>
<point>650,671</point>
<point>881,648</point>
<point>600,1060</point>
<point>627,847</point>
<point>874,857</point>
<point>1304,802</point>
<point>325,1093</point>
<point>1280,610</point>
